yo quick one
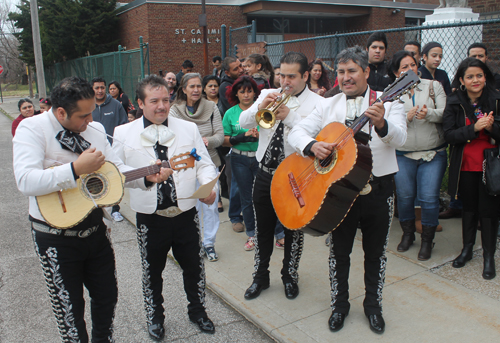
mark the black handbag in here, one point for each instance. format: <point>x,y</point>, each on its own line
<point>491,170</point>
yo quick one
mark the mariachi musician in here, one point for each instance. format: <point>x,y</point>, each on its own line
<point>273,148</point>
<point>374,209</point>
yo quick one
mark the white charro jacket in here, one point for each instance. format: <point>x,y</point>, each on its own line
<point>135,155</point>
<point>334,110</point>
<point>36,149</point>
<point>307,100</point>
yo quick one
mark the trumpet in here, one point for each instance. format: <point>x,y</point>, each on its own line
<point>266,117</point>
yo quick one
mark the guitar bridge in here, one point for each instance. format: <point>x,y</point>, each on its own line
<point>296,190</point>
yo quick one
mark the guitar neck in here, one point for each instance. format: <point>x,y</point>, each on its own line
<point>361,121</point>
<point>135,174</point>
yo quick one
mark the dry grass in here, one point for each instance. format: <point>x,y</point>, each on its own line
<point>16,90</point>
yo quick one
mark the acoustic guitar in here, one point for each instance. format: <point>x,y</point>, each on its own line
<point>315,195</point>
<point>102,188</point>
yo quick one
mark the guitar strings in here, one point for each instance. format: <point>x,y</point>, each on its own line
<point>342,140</point>
<point>311,171</point>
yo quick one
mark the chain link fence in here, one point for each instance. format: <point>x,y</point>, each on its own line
<point>128,67</point>
<point>455,39</point>
<point>241,35</point>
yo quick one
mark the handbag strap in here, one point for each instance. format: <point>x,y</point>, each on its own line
<point>432,94</point>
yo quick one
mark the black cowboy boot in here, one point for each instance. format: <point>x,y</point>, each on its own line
<point>489,228</point>
<point>427,236</point>
<point>408,237</point>
<point>469,229</point>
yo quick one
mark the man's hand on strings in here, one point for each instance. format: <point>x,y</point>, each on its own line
<point>88,162</point>
<point>376,113</point>
<point>163,175</point>
<point>323,149</point>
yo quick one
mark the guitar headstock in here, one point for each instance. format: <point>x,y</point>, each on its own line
<point>401,86</point>
<point>183,161</point>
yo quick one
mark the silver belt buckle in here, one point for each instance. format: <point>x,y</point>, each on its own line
<point>170,212</point>
<point>87,232</point>
<point>366,190</point>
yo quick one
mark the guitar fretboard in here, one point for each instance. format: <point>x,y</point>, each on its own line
<point>144,171</point>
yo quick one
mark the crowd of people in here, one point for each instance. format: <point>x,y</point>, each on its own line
<point>411,140</point>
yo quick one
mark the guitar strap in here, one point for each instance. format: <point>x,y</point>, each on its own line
<point>361,136</point>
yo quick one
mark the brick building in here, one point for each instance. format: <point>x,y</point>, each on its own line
<point>171,27</point>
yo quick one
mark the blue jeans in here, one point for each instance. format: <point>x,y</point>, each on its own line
<point>420,180</point>
<point>279,230</point>
<point>234,211</point>
<point>244,169</point>
<point>234,203</point>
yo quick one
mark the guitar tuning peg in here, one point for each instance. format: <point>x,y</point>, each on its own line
<point>400,101</point>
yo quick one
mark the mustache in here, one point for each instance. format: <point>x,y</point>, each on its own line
<point>350,82</point>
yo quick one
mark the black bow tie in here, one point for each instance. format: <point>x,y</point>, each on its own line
<point>72,141</point>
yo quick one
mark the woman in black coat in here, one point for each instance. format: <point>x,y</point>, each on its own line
<point>471,123</point>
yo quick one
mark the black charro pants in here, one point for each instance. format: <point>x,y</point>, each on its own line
<point>374,213</point>
<point>69,263</point>
<point>156,235</point>
<point>266,221</point>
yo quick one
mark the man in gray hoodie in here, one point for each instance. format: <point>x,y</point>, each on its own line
<point>110,113</point>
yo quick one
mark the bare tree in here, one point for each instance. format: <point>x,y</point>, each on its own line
<point>14,68</point>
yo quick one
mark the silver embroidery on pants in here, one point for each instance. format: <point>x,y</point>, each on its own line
<point>334,284</point>
<point>59,296</point>
<point>383,257</point>
<point>202,282</point>
<point>147,291</point>
<point>111,328</point>
<point>295,254</point>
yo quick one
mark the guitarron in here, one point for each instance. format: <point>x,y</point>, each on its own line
<point>316,195</point>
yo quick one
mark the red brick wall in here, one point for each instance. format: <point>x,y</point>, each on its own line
<point>484,6</point>
<point>133,24</point>
<point>428,2</point>
<point>157,23</point>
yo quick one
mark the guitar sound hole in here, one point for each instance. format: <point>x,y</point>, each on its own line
<point>95,185</point>
<point>327,161</point>
<point>326,165</point>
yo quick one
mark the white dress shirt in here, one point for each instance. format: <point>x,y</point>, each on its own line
<point>135,154</point>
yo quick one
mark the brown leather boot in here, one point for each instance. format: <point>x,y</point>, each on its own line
<point>428,233</point>
<point>408,237</point>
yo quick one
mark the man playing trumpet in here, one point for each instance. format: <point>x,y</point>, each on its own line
<point>272,150</point>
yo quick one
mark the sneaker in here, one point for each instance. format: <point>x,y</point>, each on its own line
<point>238,227</point>
<point>211,254</point>
<point>250,244</point>
<point>280,245</point>
<point>117,217</point>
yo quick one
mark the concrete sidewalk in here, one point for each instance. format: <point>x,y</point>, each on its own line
<point>423,301</point>
<point>25,310</point>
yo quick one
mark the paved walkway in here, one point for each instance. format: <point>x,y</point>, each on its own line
<point>423,301</point>
<point>25,310</point>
